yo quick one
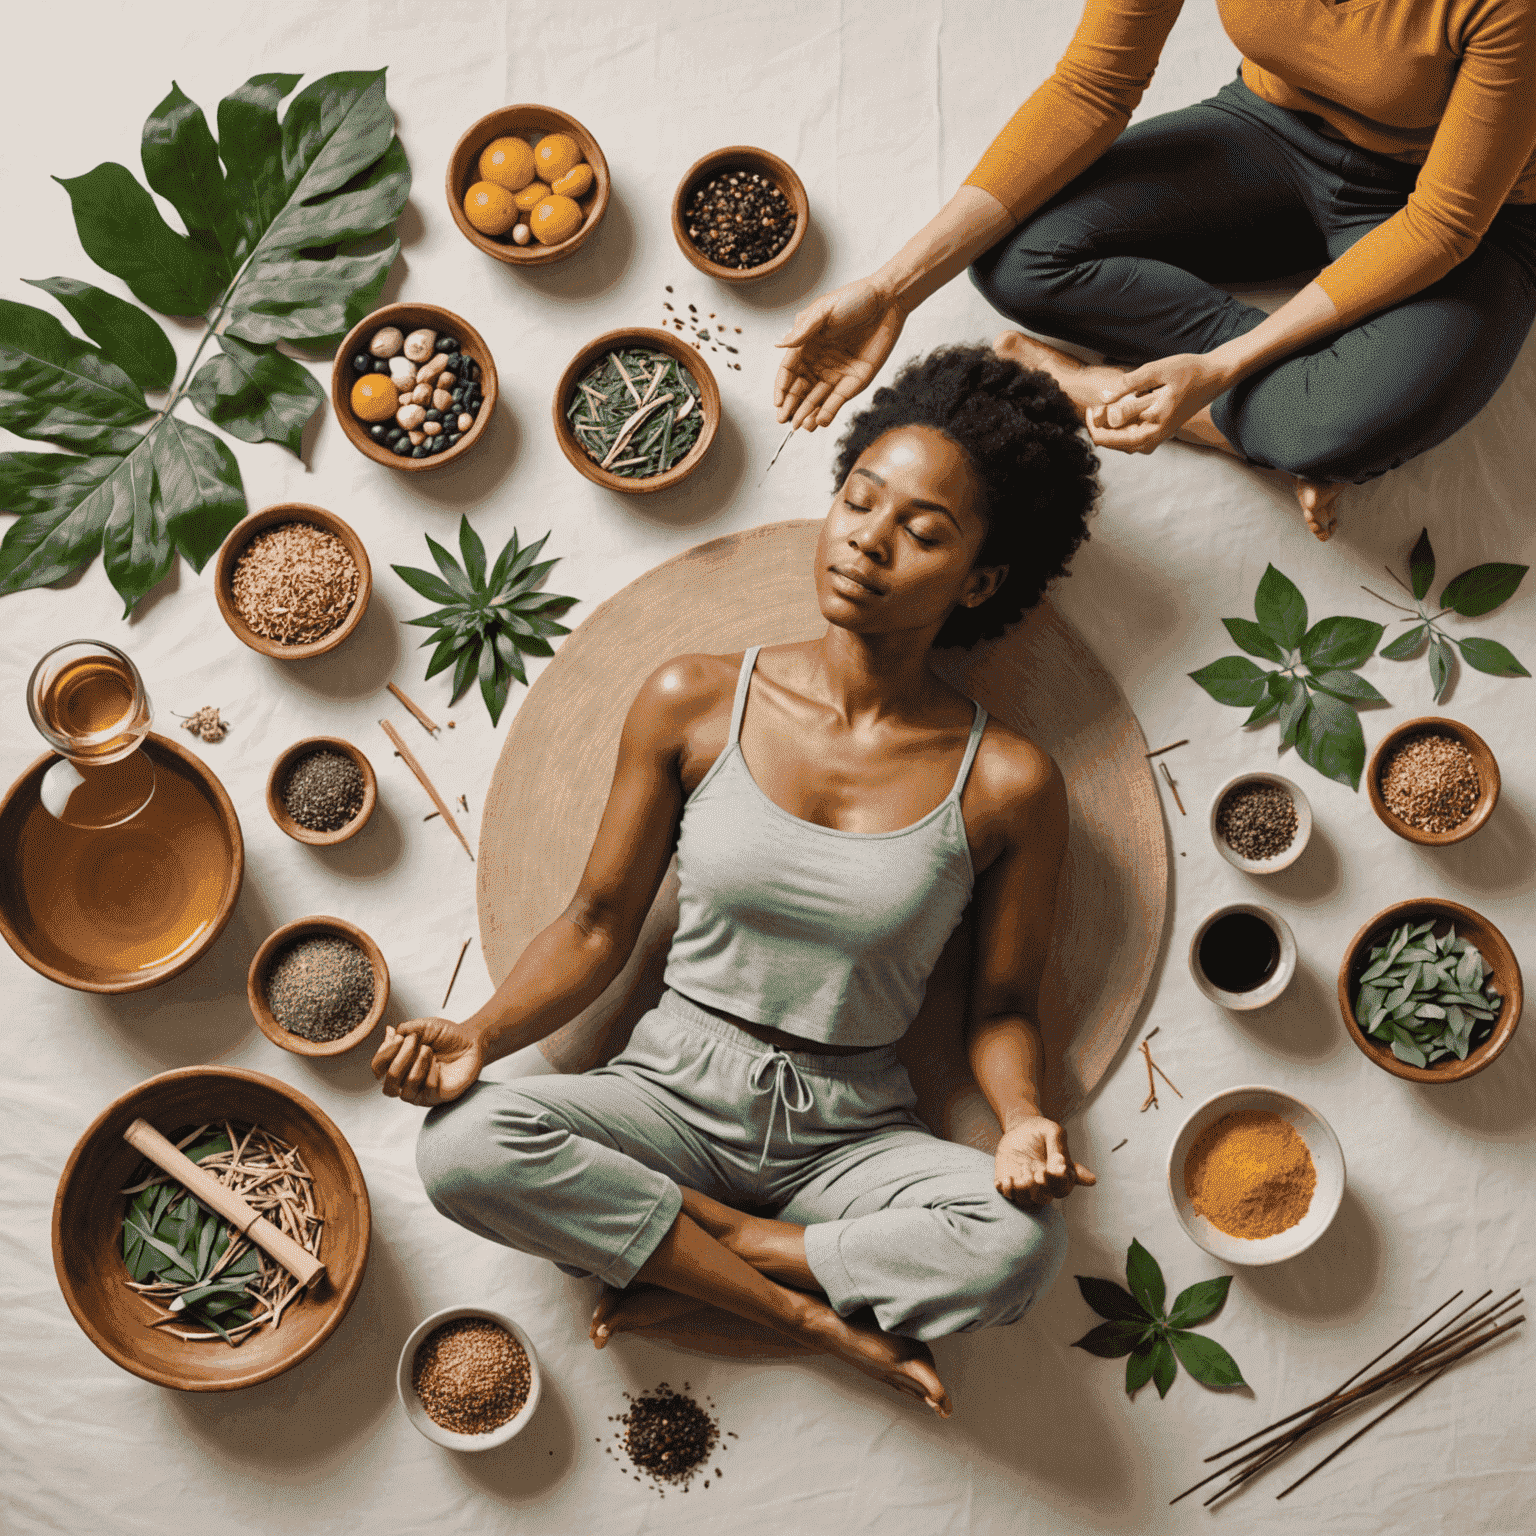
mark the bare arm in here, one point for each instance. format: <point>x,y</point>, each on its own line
<point>1015,905</point>
<point>569,964</point>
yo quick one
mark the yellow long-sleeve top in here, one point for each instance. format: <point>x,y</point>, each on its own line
<point>1449,85</point>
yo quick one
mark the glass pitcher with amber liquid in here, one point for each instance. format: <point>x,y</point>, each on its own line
<point>88,701</point>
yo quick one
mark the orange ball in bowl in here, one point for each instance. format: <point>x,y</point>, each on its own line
<point>555,219</point>
<point>555,155</point>
<point>374,397</point>
<point>508,162</point>
<point>490,208</point>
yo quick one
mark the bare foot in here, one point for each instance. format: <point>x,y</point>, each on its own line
<point>1317,498</point>
<point>638,1306</point>
<point>906,1364</point>
<point>1083,383</point>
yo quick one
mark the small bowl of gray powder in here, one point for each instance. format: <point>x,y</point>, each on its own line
<point>1260,822</point>
<point>321,790</point>
<point>318,986</point>
<point>468,1378</point>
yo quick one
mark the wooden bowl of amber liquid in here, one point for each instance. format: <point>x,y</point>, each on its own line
<point>277,782</point>
<point>273,517</point>
<point>408,318</point>
<point>740,157</point>
<point>120,909</point>
<point>272,948</point>
<point>527,121</point>
<point>1483,761</point>
<point>88,1225</point>
<point>1497,955</point>
<point>588,358</point>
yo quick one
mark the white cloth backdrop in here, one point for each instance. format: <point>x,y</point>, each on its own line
<point>883,107</point>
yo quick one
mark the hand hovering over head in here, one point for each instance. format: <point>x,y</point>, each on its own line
<point>1033,1166</point>
<point>428,1061</point>
<point>835,347</point>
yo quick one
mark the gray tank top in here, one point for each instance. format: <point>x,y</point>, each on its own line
<point>825,934</point>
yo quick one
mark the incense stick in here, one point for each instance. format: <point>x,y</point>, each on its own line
<point>1174,788</point>
<point>409,758</point>
<point>455,976</point>
<point>415,709</point>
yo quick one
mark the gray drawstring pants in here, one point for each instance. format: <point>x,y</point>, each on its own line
<point>584,1169</point>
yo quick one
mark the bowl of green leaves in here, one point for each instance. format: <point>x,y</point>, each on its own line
<point>1430,990</point>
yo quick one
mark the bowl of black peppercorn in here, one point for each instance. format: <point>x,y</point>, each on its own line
<point>322,791</point>
<point>369,349</point>
<point>740,214</point>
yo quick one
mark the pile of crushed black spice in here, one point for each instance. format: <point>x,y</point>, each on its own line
<point>667,1437</point>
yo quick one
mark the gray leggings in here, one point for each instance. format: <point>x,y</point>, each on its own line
<point>584,1169</point>
<point>1123,260</point>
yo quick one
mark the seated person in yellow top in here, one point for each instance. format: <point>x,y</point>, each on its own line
<point>1390,142</point>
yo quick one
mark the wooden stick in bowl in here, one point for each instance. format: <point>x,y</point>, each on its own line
<point>144,1138</point>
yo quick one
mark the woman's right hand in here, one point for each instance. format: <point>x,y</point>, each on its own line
<point>835,347</point>
<point>428,1061</point>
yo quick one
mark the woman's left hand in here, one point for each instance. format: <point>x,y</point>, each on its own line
<point>1033,1166</point>
<point>1154,401</point>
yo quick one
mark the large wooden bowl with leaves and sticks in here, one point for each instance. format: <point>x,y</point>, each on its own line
<point>88,1221</point>
<point>626,416</point>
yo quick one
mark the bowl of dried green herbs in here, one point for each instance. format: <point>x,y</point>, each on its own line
<point>1430,990</point>
<point>636,410</point>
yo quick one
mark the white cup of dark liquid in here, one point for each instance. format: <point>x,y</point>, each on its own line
<point>1243,956</point>
<point>87,700</point>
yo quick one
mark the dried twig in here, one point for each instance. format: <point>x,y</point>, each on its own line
<point>1119,1144</point>
<point>416,709</point>
<point>1169,748</point>
<point>460,961</point>
<point>1174,788</point>
<point>409,759</point>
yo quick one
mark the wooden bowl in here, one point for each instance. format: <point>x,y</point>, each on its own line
<point>1496,953</point>
<point>424,1422</point>
<point>1487,778</point>
<point>411,317</point>
<point>1288,855</point>
<point>297,830</point>
<point>270,517</point>
<point>662,341</point>
<point>88,1218</point>
<point>59,886</point>
<point>525,121</point>
<point>741,157</point>
<point>262,961</point>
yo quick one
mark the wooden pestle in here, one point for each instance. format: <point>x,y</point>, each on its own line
<point>143,1137</point>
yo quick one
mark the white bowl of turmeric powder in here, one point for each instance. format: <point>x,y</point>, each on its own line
<point>1255,1176</point>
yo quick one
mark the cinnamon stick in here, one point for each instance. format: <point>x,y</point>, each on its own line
<point>409,759</point>
<point>415,709</point>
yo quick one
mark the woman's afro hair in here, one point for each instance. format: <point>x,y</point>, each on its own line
<point>1029,452</point>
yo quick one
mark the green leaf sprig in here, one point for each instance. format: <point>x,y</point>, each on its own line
<point>487,620</point>
<point>1427,998</point>
<point>1154,1339</point>
<point>288,238</point>
<point>169,1237</point>
<point>1475,592</point>
<point>1315,690</point>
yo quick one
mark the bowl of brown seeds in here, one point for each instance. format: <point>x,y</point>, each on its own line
<point>293,581</point>
<point>1433,781</point>
<point>468,1378</point>
<point>318,986</point>
<point>1260,822</point>
<point>321,791</point>
<point>740,214</point>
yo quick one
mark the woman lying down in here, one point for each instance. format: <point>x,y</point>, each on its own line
<point>835,809</point>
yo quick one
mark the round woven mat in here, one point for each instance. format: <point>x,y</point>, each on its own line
<point>551,782</point>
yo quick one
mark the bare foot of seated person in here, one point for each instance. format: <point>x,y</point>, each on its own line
<point>1084,384</point>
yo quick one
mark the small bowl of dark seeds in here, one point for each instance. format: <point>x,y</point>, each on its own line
<point>414,386</point>
<point>318,986</point>
<point>1260,822</point>
<point>740,214</point>
<point>468,1378</point>
<point>321,790</point>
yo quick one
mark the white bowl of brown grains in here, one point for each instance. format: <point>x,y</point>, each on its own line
<point>292,581</point>
<point>1260,822</point>
<point>468,1378</point>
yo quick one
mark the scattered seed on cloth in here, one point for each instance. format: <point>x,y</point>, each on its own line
<point>320,987</point>
<point>1257,821</point>
<point>668,1435</point>
<point>471,1375</point>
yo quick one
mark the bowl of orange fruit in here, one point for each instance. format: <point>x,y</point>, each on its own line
<point>527,184</point>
